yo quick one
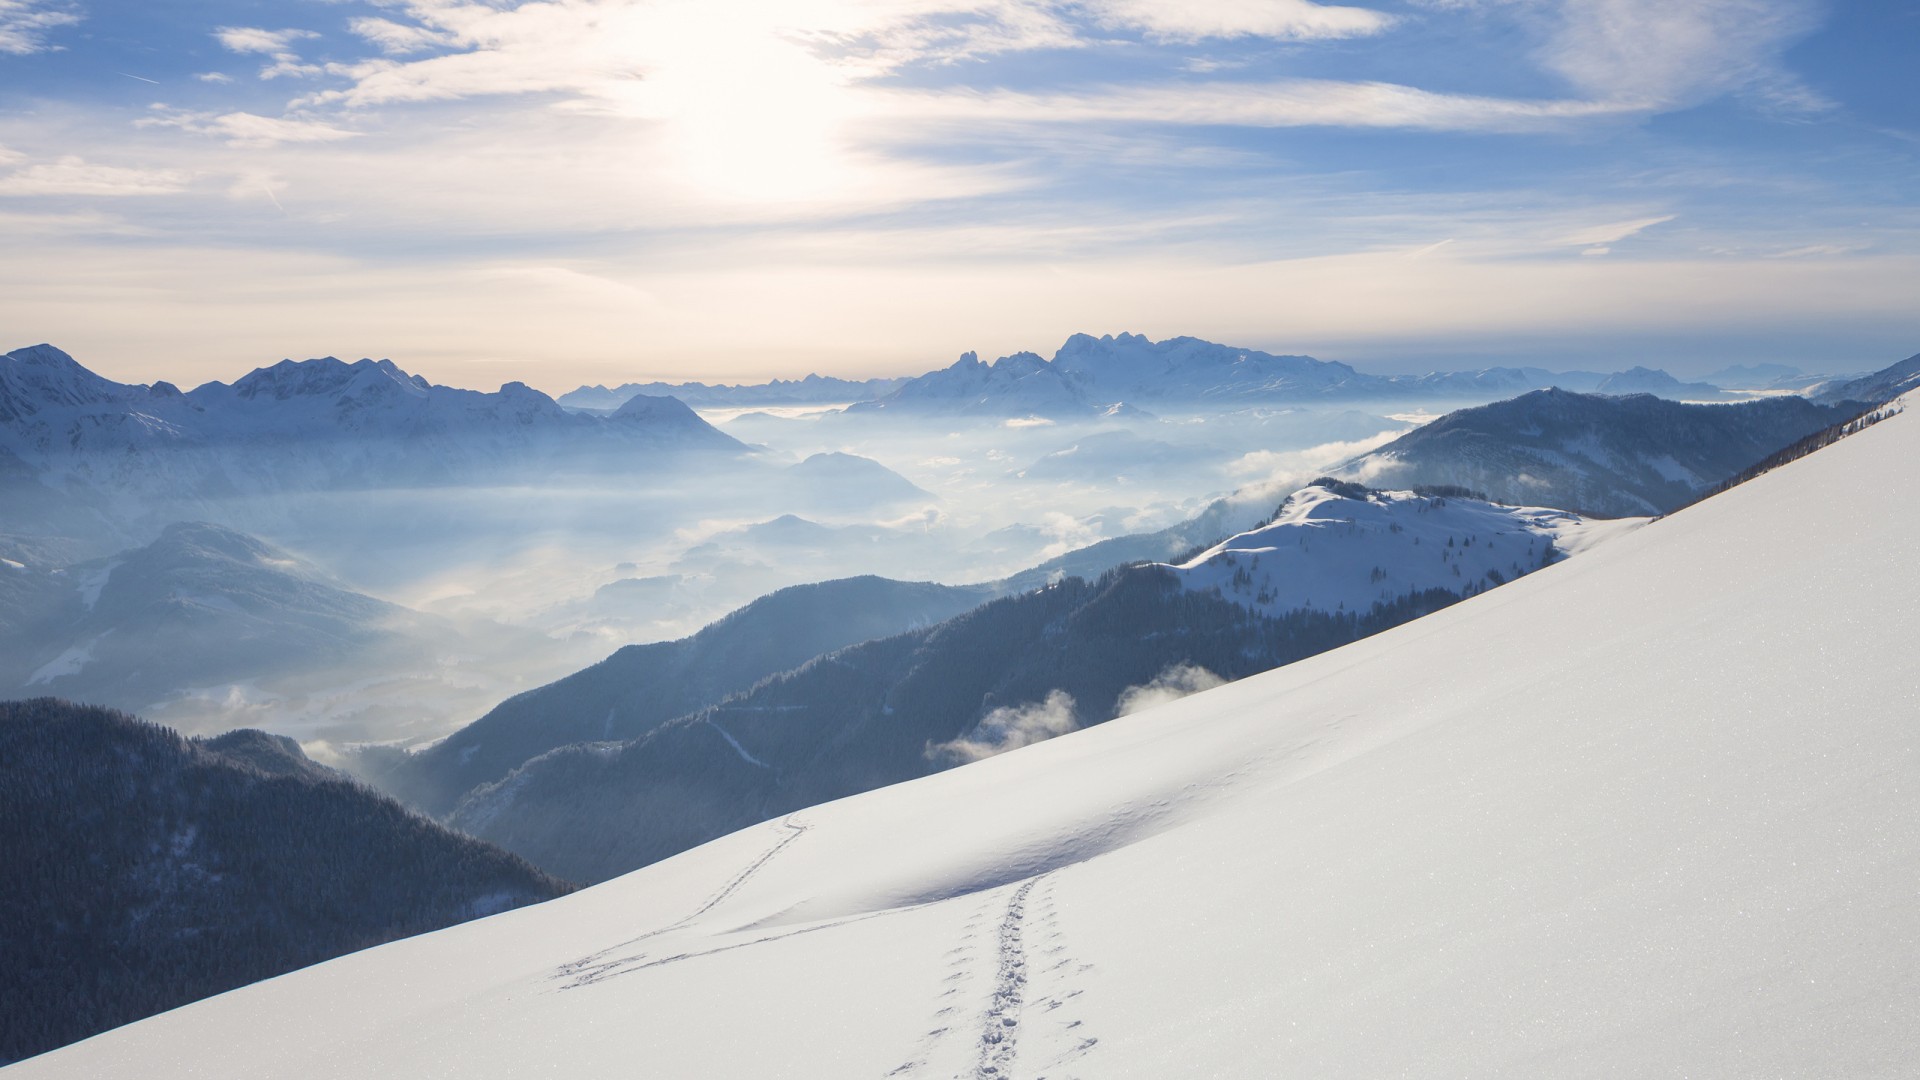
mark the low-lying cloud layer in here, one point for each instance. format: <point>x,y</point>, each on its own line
<point>1011,727</point>
<point>1172,684</point>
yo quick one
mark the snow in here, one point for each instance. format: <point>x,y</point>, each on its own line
<point>67,663</point>
<point>1330,552</point>
<point>1648,812</point>
<point>96,580</point>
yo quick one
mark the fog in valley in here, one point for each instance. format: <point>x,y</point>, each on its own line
<point>519,584</point>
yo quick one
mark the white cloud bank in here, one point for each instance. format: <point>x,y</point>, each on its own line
<point>1010,728</point>
<point>75,176</point>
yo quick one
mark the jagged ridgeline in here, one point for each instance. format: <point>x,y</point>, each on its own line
<point>144,870</point>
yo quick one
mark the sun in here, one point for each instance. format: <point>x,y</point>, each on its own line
<point>748,113</point>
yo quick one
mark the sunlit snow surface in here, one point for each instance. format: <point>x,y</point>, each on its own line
<point>1650,812</point>
<point>1334,552</point>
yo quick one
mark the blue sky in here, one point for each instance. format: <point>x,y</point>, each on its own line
<point>578,191</point>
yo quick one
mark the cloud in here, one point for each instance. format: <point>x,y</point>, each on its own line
<point>214,77</point>
<point>248,130</point>
<point>1281,103</point>
<point>277,44</point>
<point>1813,250</point>
<point>1176,682</point>
<point>1186,21</point>
<point>76,176</point>
<point>24,24</point>
<point>1661,55</point>
<point>398,39</point>
<point>84,223</point>
<point>252,39</point>
<point>1271,474</point>
<point>1010,728</point>
<point>1613,232</point>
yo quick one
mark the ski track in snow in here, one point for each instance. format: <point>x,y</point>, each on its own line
<point>1033,979</point>
<point>1000,1029</point>
<point>595,967</point>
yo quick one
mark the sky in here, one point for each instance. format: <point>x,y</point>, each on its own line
<point>595,191</point>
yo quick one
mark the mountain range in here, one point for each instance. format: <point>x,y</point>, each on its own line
<point>83,455</point>
<point>812,390</point>
<point>1121,375</point>
<point>1647,812</point>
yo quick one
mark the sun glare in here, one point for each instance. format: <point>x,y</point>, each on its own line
<point>750,115</point>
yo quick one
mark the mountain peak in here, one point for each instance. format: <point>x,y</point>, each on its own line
<point>649,407</point>
<point>42,375</point>
<point>326,375</point>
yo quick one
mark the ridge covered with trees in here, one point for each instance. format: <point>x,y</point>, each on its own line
<point>146,870</point>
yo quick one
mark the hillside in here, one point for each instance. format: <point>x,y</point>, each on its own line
<point>1647,812</point>
<point>1608,456</point>
<point>199,605</point>
<point>145,870</point>
<point>637,688</point>
<point>209,627</point>
<point>1341,547</point>
<point>1014,671</point>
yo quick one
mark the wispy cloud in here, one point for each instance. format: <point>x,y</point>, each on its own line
<point>1613,232</point>
<point>277,44</point>
<point>1186,21</point>
<point>76,176</point>
<point>243,129</point>
<point>78,223</point>
<point>1010,728</point>
<point>398,39</point>
<point>1283,103</point>
<point>24,24</point>
<point>1176,682</point>
<point>1657,54</point>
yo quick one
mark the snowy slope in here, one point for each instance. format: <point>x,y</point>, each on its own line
<point>1649,812</point>
<point>1337,547</point>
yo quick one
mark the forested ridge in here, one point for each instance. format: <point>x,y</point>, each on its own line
<point>145,870</point>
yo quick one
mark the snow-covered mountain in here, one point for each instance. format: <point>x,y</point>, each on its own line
<point>118,454</point>
<point>1336,546</point>
<point>1647,812</point>
<point>1019,385</point>
<point>812,390</point>
<point>1091,377</point>
<point>145,870</point>
<point>1612,456</point>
